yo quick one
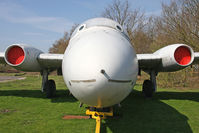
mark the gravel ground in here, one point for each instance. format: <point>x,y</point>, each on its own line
<point>10,78</point>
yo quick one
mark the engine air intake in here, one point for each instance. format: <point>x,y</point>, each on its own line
<point>15,55</point>
<point>182,55</point>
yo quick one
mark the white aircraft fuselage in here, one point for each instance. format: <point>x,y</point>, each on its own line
<point>100,66</point>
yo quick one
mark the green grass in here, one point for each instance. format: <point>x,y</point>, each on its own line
<point>24,109</point>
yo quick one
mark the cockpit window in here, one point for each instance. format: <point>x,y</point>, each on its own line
<point>101,22</point>
<point>119,28</point>
<point>81,27</point>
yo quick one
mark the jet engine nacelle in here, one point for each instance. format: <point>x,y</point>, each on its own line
<point>23,57</point>
<point>175,57</point>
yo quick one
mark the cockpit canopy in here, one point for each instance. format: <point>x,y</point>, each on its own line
<point>101,22</point>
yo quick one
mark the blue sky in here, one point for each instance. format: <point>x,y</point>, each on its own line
<point>40,23</point>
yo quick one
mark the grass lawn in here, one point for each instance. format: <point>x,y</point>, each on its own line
<point>24,109</point>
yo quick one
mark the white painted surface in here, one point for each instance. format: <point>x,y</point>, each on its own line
<point>163,60</point>
<point>168,60</point>
<point>91,50</point>
<point>30,62</point>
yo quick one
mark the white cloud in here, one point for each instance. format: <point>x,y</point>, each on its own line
<point>15,13</point>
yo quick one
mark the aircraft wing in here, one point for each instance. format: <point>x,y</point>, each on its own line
<point>196,58</point>
<point>50,61</point>
<point>2,61</point>
<point>151,61</point>
<point>148,61</point>
<point>45,61</point>
<point>170,58</point>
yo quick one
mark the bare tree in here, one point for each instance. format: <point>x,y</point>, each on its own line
<point>190,20</point>
<point>133,21</point>
<point>60,45</point>
<point>122,13</point>
<point>179,23</point>
<point>118,11</point>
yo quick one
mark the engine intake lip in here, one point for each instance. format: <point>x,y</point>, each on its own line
<point>15,55</point>
<point>183,55</point>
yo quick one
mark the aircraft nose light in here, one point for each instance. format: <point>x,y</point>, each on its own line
<point>182,55</point>
<point>15,55</point>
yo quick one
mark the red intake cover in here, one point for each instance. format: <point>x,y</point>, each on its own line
<point>182,55</point>
<point>15,55</point>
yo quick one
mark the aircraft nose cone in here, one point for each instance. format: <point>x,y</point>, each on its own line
<point>86,58</point>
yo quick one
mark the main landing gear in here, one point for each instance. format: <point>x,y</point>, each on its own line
<point>48,86</point>
<point>98,114</point>
<point>149,86</point>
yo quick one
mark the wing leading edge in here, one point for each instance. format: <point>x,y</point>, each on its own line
<point>27,58</point>
<point>148,61</point>
<point>45,60</point>
<point>167,59</point>
<point>50,61</point>
<point>2,60</point>
<point>196,58</point>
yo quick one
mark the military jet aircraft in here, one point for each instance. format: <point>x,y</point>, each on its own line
<point>100,66</point>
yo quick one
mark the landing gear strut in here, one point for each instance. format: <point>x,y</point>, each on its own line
<point>149,86</point>
<point>48,86</point>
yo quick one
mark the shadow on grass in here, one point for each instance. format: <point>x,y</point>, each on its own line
<point>150,115</point>
<point>138,114</point>
<point>61,95</point>
<point>193,96</point>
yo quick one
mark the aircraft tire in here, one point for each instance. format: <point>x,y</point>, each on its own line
<point>148,88</point>
<point>50,88</point>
